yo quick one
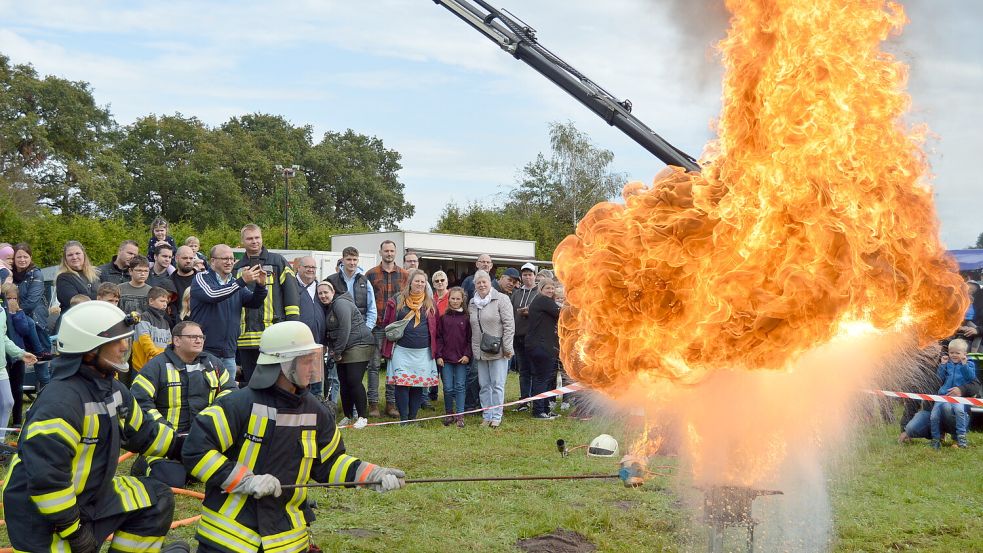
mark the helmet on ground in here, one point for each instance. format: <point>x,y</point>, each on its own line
<point>91,324</point>
<point>288,348</point>
<point>603,446</point>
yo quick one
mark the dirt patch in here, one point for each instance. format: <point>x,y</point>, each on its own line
<point>625,505</point>
<point>359,532</point>
<point>557,541</point>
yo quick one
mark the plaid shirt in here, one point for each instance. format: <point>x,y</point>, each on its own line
<point>385,285</point>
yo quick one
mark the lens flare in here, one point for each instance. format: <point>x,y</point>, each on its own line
<point>811,226</point>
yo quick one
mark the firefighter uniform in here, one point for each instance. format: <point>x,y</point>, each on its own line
<point>271,431</point>
<point>174,392</point>
<point>282,304</point>
<point>64,472</point>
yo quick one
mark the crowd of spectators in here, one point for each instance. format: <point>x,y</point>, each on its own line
<point>463,337</point>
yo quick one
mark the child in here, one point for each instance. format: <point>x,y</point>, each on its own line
<point>954,371</point>
<point>201,264</point>
<point>454,353</point>
<point>152,334</point>
<point>133,294</point>
<point>108,292</point>
<point>77,299</point>
<point>159,236</point>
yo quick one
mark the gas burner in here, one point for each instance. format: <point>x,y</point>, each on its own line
<point>730,506</point>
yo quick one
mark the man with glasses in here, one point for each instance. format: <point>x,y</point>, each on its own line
<point>174,387</point>
<point>312,315</point>
<point>217,299</point>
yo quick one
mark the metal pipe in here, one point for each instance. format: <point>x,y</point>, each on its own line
<point>455,479</point>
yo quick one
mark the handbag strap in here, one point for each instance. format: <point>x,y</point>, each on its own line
<point>479,320</point>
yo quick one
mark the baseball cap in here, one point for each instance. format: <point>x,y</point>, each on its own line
<point>511,272</point>
<point>529,267</point>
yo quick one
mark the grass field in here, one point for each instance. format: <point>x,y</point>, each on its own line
<point>886,497</point>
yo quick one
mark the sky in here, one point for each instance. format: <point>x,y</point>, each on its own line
<point>465,115</point>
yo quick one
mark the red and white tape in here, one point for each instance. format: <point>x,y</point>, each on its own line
<point>930,397</point>
<point>568,389</point>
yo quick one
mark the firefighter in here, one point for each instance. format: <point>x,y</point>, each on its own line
<point>282,300</point>
<point>174,387</point>
<point>62,493</point>
<point>273,431</point>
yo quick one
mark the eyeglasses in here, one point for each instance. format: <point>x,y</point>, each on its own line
<point>195,337</point>
<point>308,267</point>
<point>440,280</point>
<point>225,259</point>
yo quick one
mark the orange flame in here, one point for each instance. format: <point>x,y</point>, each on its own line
<point>812,213</point>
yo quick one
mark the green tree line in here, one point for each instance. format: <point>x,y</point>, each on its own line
<point>69,170</point>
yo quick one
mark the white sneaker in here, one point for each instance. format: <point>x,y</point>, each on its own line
<point>360,423</point>
<point>344,422</point>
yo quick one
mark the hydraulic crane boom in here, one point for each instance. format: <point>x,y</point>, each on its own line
<point>519,39</point>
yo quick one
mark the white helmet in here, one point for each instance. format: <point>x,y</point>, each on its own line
<point>280,348</point>
<point>91,324</point>
<point>603,446</point>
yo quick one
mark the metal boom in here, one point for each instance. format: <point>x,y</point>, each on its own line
<point>519,39</point>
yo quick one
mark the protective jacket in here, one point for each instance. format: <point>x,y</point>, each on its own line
<point>64,472</point>
<point>271,431</point>
<point>175,392</point>
<point>282,300</point>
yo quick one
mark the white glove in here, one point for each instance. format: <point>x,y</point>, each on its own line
<point>389,479</point>
<point>258,485</point>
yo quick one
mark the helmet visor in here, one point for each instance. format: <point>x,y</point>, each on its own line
<point>306,368</point>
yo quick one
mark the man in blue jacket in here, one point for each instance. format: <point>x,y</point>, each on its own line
<point>217,299</point>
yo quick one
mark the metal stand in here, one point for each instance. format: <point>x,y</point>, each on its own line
<point>730,506</point>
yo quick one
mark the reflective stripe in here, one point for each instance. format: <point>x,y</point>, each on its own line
<point>132,543</point>
<point>291,541</point>
<point>136,415</point>
<point>70,528</point>
<point>144,384</point>
<point>291,310</point>
<point>210,462</point>
<point>163,442</point>
<point>59,427</point>
<point>328,450</point>
<point>235,477</point>
<point>340,467</point>
<point>84,455</point>
<point>259,420</point>
<point>131,492</point>
<point>104,407</point>
<point>220,424</point>
<point>173,395</point>
<point>296,419</point>
<point>299,496</point>
<point>308,443</point>
<point>55,502</point>
<point>227,532</point>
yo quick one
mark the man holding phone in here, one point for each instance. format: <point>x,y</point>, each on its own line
<point>282,303</point>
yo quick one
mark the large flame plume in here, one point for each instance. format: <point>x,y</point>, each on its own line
<point>811,214</point>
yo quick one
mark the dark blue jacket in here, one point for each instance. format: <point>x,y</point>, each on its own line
<point>218,309</point>
<point>311,313</point>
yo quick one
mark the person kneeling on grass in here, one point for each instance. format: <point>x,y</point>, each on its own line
<point>274,431</point>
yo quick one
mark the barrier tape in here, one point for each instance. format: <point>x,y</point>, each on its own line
<point>930,397</point>
<point>568,389</point>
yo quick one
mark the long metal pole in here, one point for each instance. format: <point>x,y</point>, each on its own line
<point>286,210</point>
<point>456,479</point>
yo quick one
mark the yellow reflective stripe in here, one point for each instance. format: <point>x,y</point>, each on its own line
<point>328,450</point>
<point>154,415</point>
<point>227,532</point>
<point>248,455</point>
<point>291,310</point>
<point>59,427</point>
<point>340,467</point>
<point>299,496</point>
<point>163,442</point>
<point>223,393</point>
<point>291,541</point>
<point>10,470</point>
<point>210,462</point>
<point>71,528</point>
<point>221,426</point>
<point>55,502</point>
<point>308,443</point>
<point>83,456</point>
<point>132,543</point>
<point>144,385</point>
<point>132,493</point>
<point>136,415</point>
<point>173,396</point>
<point>268,311</point>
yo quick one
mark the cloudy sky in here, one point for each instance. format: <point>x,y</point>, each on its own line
<point>464,115</point>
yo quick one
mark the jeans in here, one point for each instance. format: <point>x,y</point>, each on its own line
<point>334,385</point>
<point>379,333</point>
<point>491,379</point>
<point>472,389</point>
<point>521,359</point>
<point>230,365</point>
<point>938,412</point>
<point>455,377</point>
<point>543,368</point>
<point>42,375</point>
<point>920,425</point>
<point>408,401</point>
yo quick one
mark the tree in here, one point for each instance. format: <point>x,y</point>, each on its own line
<point>56,143</point>
<point>353,181</point>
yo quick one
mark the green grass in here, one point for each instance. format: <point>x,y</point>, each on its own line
<point>886,497</point>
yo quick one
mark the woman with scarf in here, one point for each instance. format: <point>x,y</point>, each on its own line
<point>411,366</point>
